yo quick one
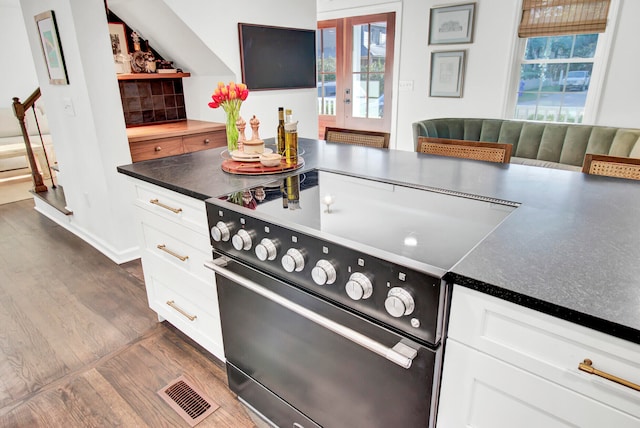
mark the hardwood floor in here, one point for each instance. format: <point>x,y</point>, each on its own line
<point>79,345</point>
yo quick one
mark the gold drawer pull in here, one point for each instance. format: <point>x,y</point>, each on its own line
<point>586,366</point>
<point>166,207</point>
<point>177,308</point>
<point>168,251</point>
<point>158,148</point>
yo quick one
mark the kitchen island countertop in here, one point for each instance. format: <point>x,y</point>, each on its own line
<point>571,249</point>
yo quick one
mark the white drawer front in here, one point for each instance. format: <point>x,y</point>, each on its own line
<point>188,303</point>
<point>481,391</point>
<point>176,245</point>
<point>172,206</point>
<point>547,346</point>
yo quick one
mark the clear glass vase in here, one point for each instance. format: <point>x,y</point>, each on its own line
<point>232,129</point>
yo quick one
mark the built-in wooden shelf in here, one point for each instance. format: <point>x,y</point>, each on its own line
<point>140,76</point>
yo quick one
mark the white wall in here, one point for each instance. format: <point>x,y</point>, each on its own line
<point>19,77</point>
<point>489,66</point>
<point>214,27</point>
<point>620,100</point>
<point>89,141</point>
<point>217,26</point>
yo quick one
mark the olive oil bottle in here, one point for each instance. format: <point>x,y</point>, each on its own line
<point>280,137</point>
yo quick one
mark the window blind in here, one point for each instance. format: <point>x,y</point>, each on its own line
<point>559,17</point>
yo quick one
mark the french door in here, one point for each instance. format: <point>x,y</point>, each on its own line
<point>355,63</point>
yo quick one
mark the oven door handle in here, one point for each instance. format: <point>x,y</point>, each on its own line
<point>401,354</point>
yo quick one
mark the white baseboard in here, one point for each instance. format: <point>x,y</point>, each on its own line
<point>59,218</point>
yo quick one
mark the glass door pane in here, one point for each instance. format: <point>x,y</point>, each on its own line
<point>327,67</point>
<point>368,59</point>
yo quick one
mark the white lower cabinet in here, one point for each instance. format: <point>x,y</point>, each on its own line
<point>509,366</point>
<point>174,241</point>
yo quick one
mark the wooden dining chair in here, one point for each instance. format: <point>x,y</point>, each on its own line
<point>490,152</point>
<point>611,166</point>
<point>357,137</point>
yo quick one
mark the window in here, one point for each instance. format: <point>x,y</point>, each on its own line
<point>555,74</point>
<point>561,40</point>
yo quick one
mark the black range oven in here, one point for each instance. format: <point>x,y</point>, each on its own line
<point>331,295</point>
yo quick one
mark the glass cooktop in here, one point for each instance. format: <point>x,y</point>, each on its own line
<point>429,226</point>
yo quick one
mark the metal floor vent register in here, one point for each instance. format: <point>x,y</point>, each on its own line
<point>187,401</point>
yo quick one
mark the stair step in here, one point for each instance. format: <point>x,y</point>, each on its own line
<point>55,198</point>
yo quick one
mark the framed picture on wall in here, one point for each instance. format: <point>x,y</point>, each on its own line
<point>119,44</point>
<point>51,48</point>
<point>451,24</point>
<point>447,74</point>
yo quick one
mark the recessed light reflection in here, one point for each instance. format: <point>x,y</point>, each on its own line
<point>410,241</point>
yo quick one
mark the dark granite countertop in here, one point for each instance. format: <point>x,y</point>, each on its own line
<point>572,248</point>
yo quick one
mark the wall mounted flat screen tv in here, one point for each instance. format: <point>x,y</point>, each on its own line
<point>277,57</point>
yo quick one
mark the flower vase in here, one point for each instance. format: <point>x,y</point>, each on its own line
<point>232,130</point>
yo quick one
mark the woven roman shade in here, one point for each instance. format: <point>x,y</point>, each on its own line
<point>558,17</point>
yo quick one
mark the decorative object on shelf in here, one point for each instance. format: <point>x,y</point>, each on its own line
<point>164,66</point>
<point>230,98</point>
<point>447,72</point>
<point>51,48</point>
<point>451,24</point>
<point>123,63</point>
<point>149,62</point>
<point>138,60</point>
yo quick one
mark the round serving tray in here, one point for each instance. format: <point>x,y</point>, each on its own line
<point>256,168</point>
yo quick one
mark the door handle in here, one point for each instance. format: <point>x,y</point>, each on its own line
<point>401,354</point>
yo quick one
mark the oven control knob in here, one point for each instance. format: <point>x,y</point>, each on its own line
<point>399,302</point>
<point>293,260</point>
<point>242,240</point>
<point>221,231</point>
<point>266,250</point>
<point>323,273</point>
<point>359,286</point>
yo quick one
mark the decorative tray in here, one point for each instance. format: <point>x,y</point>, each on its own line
<point>256,168</point>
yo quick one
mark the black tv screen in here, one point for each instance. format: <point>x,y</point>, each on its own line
<point>277,57</point>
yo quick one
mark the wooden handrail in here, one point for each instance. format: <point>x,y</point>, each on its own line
<point>31,99</point>
<point>19,109</point>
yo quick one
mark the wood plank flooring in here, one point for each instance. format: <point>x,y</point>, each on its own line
<point>79,346</point>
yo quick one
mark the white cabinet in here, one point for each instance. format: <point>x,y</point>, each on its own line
<point>174,243</point>
<point>510,366</point>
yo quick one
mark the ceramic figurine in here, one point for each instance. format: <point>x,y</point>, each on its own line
<point>241,124</point>
<point>255,124</point>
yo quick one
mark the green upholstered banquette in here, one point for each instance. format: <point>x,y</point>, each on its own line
<point>553,145</point>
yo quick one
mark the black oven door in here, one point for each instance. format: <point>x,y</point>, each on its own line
<point>334,367</point>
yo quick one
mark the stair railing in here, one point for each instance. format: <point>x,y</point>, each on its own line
<point>20,110</point>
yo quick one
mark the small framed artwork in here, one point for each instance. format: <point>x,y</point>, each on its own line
<point>447,74</point>
<point>119,44</point>
<point>451,24</point>
<point>51,48</point>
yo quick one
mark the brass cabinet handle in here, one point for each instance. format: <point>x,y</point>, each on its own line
<point>586,366</point>
<point>158,148</point>
<point>166,207</point>
<point>168,251</point>
<point>177,308</point>
<point>207,141</point>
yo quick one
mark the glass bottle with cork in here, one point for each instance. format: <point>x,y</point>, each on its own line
<point>290,140</point>
<point>280,134</point>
